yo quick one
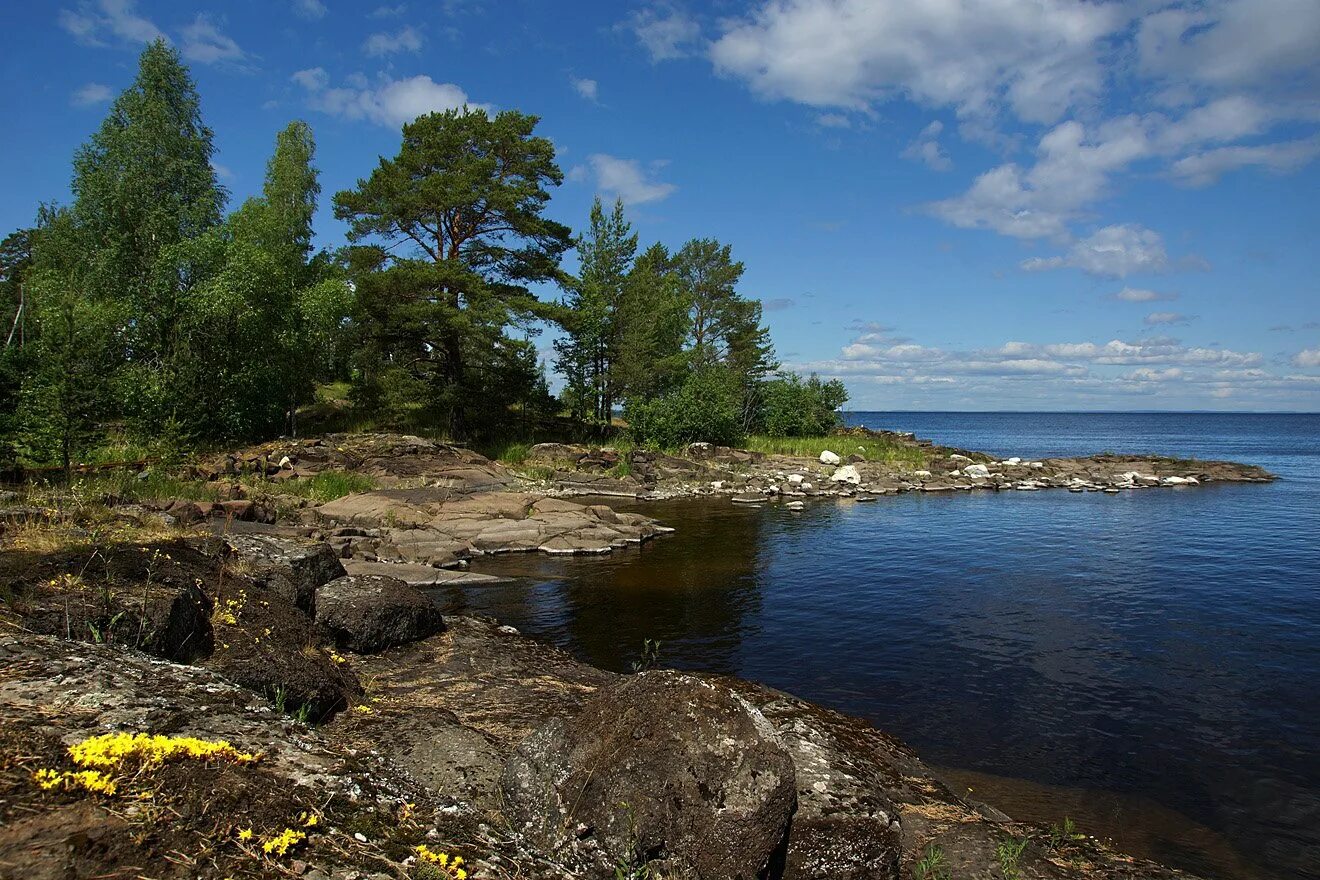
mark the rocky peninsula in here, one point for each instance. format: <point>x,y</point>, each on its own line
<point>256,684</point>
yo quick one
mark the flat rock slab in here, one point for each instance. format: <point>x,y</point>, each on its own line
<point>421,576</point>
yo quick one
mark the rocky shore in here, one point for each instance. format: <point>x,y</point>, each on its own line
<point>257,687</point>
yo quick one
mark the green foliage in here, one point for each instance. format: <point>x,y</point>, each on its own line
<point>652,325</point>
<point>790,407</point>
<point>878,449</point>
<point>326,486</point>
<point>705,408</point>
<point>932,865</point>
<point>588,353</point>
<point>1062,835</point>
<point>450,234</point>
<point>1009,852</point>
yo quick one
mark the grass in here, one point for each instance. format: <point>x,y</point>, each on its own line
<point>322,487</point>
<point>872,449</point>
<point>1009,851</point>
<point>932,865</point>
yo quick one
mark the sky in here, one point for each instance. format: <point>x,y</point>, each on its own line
<point>950,204</point>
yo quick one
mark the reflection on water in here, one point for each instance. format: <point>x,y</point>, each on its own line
<point>1161,647</point>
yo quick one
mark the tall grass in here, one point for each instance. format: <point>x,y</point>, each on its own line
<point>877,449</point>
<point>322,487</point>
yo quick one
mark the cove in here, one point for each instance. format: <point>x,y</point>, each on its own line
<point>1145,661</point>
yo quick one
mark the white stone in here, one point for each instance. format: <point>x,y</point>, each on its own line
<point>1036,464</point>
<point>795,505</point>
<point>976,470</point>
<point>827,457</point>
<point>795,479</point>
<point>1013,460</point>
<point>286,462</point>
<point>847,474</point>
<point>958,457</point>
<point>921,473</point>
<point>718,484</point>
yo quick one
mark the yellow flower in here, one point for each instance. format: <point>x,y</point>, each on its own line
<point>363,710</point>
<point>309,820</point>
<point>48,778</point>
<point>245,834</point>
<point>281,843</point>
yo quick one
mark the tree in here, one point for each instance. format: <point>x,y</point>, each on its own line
<point>15,265</point>
<point>463,200</point>
<point>587,354</point>
<point>66,387</point>
<point>726,328</point>
<point>793,408</point>
<point>142,184</point>
<point>653,322</point>
<point>258,309</point>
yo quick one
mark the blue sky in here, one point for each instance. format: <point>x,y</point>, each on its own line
<point>952,204</point>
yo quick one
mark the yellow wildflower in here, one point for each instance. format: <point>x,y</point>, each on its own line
<point>113,749</point>
<point>450,865</point>
<point>281,843</point>
<point>363,710</point>
<point>309,820</point>
<point>245,834</point>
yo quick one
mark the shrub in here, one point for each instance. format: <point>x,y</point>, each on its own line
<point>705,408</point>
<point>791,407</point>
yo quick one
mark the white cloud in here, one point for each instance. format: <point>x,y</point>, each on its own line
<point>665,31</point>
<point>1203,169</point>
<point>1113,251</point>
<point>389,102</point>
<point>96,24</point>
<point>309,9</point>
<point>1308,358</point>
<point>204,43</point>
<point>224,172</point>
<point>926,148</point>
<point>1232,43</point>
<point>1041,58</point>
<point>1141,295</point>
<point>833,120</point>
<point>407,39</point>
<point>389,11</point>
<point>587,88</point>
<point>313,79</point>
<point>624,178</point>
<point>1155,319</point>
<point>92,93</point>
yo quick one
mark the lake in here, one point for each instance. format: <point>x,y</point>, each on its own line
<point>1147,664</point>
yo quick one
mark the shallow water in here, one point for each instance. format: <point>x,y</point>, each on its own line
<point>1147,662</point>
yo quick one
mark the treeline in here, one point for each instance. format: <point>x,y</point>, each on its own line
<point>142,313</point>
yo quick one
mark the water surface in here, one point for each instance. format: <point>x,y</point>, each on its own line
<point>1148,663</point>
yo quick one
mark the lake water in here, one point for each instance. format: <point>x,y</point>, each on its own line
<point>1146,663</point>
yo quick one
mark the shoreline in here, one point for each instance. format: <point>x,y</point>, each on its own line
<point>470,712</point>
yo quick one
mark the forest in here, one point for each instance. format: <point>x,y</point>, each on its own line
<point>145,318</point>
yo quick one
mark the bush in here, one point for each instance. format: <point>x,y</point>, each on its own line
<point>705,408</point>
<point>793,408</point>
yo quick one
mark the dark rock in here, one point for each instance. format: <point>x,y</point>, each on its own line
<point>369,613</point>
<point>288,567</point>
<point>661,767</point>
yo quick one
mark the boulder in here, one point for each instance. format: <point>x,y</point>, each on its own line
<point>976,470</point>
<point>291,568</point>
<point>663,770</point>
<point>368,613</point>
<point>830,458</point>
<point>847,474</point>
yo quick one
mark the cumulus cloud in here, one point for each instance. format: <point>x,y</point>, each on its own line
<point>833,120</point>
<point>388,102</point>
<point>92,93</point>
<point>1203,169</point>
<point>107,21</point>
<point>778,304</point>
<point>406,39</point>
<point>1231,43</point>
<point>1039,58</point>
<point>1155,319</point>
<point>1141,295</point>
<point>1112,251</point>
<point>1308,358</point>
<point>587,88</point>
<point>309,9</point>
<point>204,43</point>
<point>665,31</point>
<point>624,179</point>
<point>927,150</point>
